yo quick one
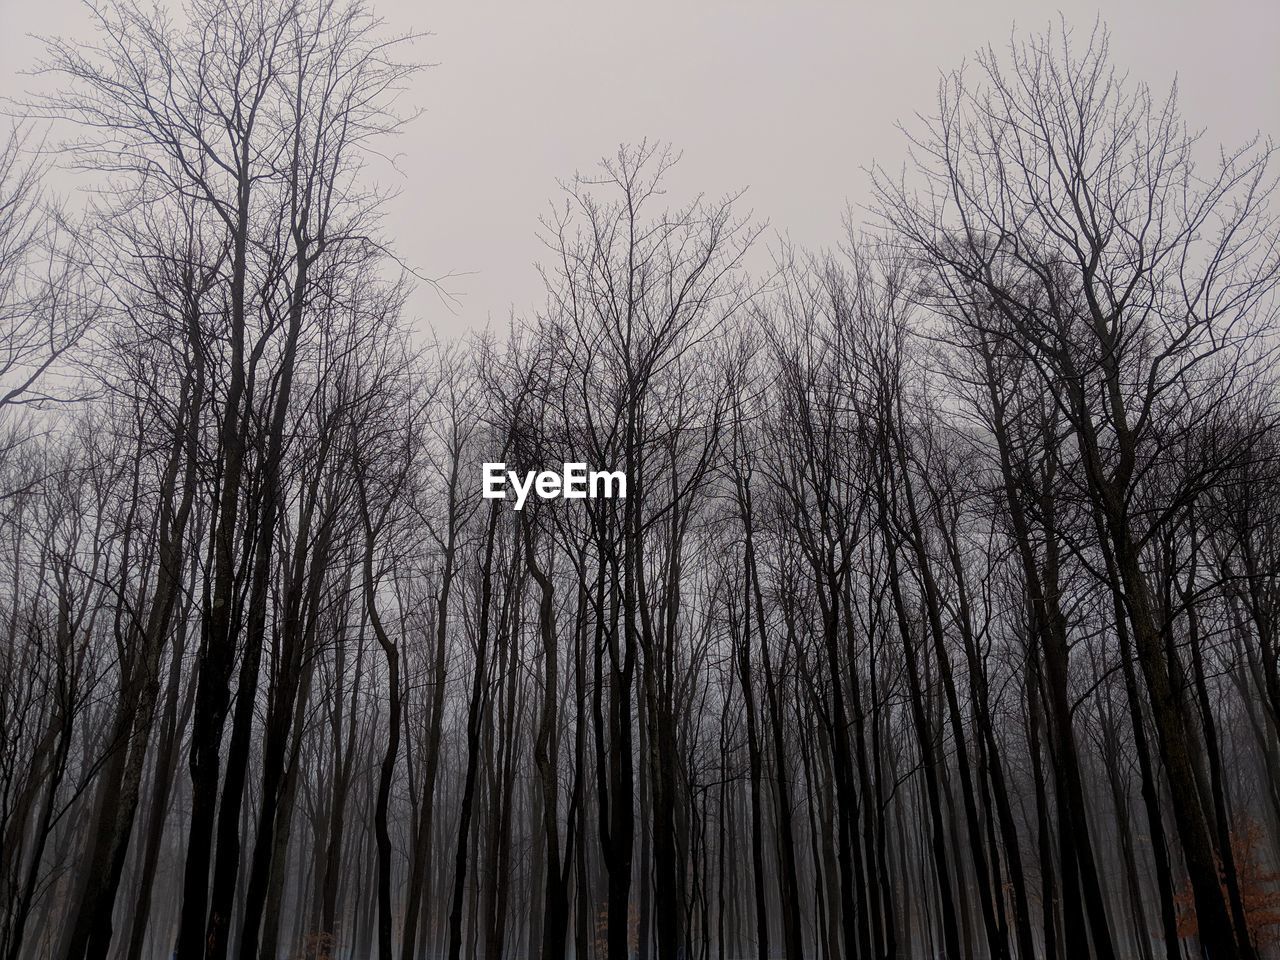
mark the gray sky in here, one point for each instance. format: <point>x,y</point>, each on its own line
<point>789,99</point>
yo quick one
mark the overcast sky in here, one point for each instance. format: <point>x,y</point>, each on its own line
<point>791,100</point>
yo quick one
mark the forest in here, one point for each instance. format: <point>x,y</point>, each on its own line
<point>941,618</point>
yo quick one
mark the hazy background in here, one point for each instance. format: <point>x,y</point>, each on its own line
<point>789,99</point>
